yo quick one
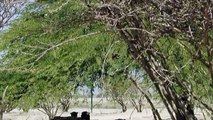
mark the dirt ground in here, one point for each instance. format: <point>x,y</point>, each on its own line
<point>98,114</point>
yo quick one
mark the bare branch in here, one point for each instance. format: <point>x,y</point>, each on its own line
<point>8,9</point>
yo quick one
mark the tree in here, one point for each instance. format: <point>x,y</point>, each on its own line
<point>65,102</point>
<point>49,104</point>
<point>117,90</point>
<point>143,24</point>
<point>138,98</point>
<point>31,44</point>
<point>46,76</point>
<point>116,67</point>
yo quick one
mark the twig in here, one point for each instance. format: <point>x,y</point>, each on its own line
<point>62,43</point>
<point>130,117</point>
<point>105,58</point>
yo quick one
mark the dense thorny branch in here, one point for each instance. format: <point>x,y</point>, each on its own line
<point>187,20</point>
<point>166,21</point>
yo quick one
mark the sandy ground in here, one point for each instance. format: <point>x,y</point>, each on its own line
<point>98,114</point>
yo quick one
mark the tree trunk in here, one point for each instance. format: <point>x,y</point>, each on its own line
<point>1,114</point>
<point>139,108</point>
<point>124,108</point>
<point>120,101</point>
<point>91,102</point>
<point>65,106</point>
<point>154,110</point>
<point>172,101</point>
<point>147,59</point>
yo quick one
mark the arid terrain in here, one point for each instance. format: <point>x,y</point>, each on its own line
<point>105,110</point>
<point>98,114</point>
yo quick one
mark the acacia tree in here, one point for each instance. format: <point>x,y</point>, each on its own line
<point>143,24</point>
<point>117,90</point>
<point>65,102</point>
<point>49,104</point>
<point>31,45</point>
<point>139,82</point>
<point>48,77</point>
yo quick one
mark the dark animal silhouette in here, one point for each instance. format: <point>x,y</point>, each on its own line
<point>74,115</point>
<point>84,116</point>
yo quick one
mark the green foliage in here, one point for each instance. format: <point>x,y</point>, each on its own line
<point>18,85</point>
<point>189,71</point>
<point>60,70</point>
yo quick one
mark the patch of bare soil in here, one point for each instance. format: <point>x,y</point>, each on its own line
<point>98,114</point>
